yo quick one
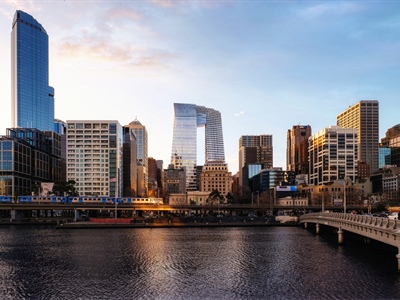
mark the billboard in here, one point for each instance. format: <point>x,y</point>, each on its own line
<point>289,188</point>
<point>46,188</point>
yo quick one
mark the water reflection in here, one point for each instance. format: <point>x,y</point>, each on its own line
<point>189,263</point>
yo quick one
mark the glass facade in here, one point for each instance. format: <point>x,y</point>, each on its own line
<point>184,144</point>
<point>28,157</point>
<point>32,97</point>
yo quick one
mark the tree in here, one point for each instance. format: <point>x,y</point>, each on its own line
<point>230,198</point>
<point>65,188</point>
<point>215,195</point>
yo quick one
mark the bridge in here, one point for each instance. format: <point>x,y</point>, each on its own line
<point>384,230</point>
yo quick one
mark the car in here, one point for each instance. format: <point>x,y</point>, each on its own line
<point>394,216</point>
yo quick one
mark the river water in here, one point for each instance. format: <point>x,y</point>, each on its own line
<point>190,263</point>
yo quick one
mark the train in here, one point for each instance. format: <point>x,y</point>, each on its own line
<point>80,199</point>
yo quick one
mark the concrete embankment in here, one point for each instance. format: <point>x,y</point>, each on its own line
<point>176,222</point>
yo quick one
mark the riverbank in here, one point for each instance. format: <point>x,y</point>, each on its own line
<point>86,225</point>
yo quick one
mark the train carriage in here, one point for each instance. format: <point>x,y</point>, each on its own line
<point>6,199</point>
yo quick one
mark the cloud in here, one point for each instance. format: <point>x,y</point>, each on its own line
<point>239,114</point>
<point>337,8</point>
<point>197,3</point>
<point>121,14</point>
<point>29,6</point>
<point>100,48</point>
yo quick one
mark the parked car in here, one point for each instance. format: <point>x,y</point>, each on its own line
<point>394,216</point>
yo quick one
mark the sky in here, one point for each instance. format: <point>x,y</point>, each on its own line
<point>265,65</point>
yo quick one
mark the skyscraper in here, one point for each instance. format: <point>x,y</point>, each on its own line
<point>142,156</point>
<point>184,144</point>
<point>297,149</point>
<point>31,96</point>
<point>364,116</point>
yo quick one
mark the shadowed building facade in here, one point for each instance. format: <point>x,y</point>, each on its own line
<point>364,116</point>
<point>187,118</point>
<point>297,149</point>
<point>255,154</point>
<point>31,96</point>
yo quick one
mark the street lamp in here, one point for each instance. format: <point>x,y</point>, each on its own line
<point>116,202</point>
<point>344,195</point>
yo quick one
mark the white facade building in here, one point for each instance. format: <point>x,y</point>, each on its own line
<point>94,157</point>
<point>333,154</point>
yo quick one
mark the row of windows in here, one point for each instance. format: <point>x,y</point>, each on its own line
<point>91,125</point>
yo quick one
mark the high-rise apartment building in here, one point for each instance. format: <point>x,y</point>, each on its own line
<point>253,150</point>
<point>297,149</point>
<point>333,153</point>
<point>95,157</point>
<point>31,96</point>
<point>364,116</point>
<point>184,145</point>
<point>140,132</point>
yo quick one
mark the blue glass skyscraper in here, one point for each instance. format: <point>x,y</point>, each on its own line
<point>184,144</point>
<point>32,97</point>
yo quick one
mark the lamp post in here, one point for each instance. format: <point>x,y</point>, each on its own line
<point>116,202</point>
<point>344,195</point>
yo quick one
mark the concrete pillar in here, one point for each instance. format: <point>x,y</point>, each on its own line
<point>305,225</point>
<point>340,236</point>
<point>13,215</point>
<point>75,215</point>
<point>398,261</point>
<point>317,228</point>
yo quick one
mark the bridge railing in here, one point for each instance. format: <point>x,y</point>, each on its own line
<point>352,218</point>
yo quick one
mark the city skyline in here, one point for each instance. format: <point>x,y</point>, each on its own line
<point>266,66</point>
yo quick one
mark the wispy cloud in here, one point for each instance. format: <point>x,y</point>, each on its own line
<point>100,48</point>
<point>197,3</point>
<point>29,6</point>
<point>337,8</point>
<point>239,114</point>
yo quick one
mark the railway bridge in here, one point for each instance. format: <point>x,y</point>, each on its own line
<point>384,230</point>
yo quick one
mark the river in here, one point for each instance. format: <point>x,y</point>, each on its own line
<point>190,263</point>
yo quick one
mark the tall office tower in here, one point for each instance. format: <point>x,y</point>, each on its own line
<point>333,153</point>
<point>142,156</point>
<point>297,149</point>
<point>95,157</point>
<point>254,150</point>
<point>130,168</point>
<point>364,116</point>
<point>184,144</point>
<point>31,96</point>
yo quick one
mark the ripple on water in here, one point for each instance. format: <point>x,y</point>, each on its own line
<point>187,263</point>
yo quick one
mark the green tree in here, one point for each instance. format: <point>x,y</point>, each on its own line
<point>65,188</point>
<point>215,196</point>
<point>230,198</point>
